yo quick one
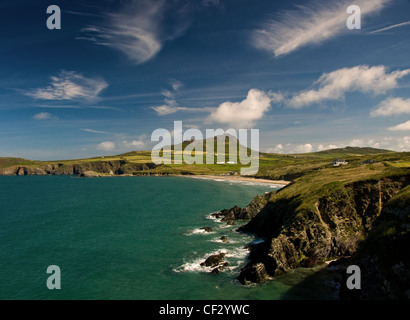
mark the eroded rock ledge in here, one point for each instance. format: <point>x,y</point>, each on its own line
<point>298,235</point>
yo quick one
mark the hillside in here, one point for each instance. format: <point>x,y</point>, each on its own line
<point>271,166</point>
<point>357,211</point>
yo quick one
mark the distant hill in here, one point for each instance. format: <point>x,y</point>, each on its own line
<point>354,151</point>
<point>8,162</point>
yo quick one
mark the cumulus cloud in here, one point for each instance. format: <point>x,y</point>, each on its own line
<point>106,146</point>
<point>138,29</point>
<point>313,23</point>
<point>43,116</point>
<point>69,85</point>
<point>291,148</point>
<point>401,127</point>
<point>392,106</point>
<point>334,85</point>
<point>304,148</point>
<point>242,114</point>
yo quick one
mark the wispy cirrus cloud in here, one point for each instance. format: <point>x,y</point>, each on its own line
<point>43,116</point>
<point>70,85</point>
<point>138,29</point>
<point>398,25</point>
<point>335,85</point>
<point>170,105</point>
<point>94,131</point>
<point>313,23</point>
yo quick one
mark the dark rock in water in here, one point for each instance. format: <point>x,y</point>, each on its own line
<point>220,268</point>
<point>253,273</point>
<point>230,215</point>
<point>224,239</point>
<point>206,229</point>
<point>214,260</point>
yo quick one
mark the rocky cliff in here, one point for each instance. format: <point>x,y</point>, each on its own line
<point>90,168</point>
<point>332,225</point>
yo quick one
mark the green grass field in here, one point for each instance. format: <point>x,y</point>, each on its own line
<point>271,166</point>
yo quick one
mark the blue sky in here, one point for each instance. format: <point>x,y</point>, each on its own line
<point>118,70</point>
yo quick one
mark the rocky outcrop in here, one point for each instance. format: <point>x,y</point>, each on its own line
<point>89,168</point>
<point>299,235</point>
<point>214,260</point>
<point>230,215</point>
<point>206,229</point>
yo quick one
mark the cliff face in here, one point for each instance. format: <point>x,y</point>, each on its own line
<point>384,257</point>
<point>299,236</point>
<point>231,215</point>
<point>119,167</point>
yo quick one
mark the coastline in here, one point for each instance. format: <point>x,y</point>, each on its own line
<point>238,179</point>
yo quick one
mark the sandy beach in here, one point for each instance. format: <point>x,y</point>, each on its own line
<point>240,179</point>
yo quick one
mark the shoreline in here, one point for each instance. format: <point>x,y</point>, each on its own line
<point>238,179</point>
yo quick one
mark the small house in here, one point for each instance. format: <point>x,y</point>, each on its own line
<point>338,162</point>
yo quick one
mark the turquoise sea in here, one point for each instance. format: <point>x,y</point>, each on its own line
<point>128,238</point>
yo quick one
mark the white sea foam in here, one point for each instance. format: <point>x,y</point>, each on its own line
<point>198,231</point>
<point>235,256</point>
<point>195,265</point>
<point>218,240</point>
<point>212,217</point>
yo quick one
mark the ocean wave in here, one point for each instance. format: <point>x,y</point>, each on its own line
<point>212,217</point>
<point>198,231</point>
<point>218,240</point>
<point>195,265</point>
<point>236,257</point>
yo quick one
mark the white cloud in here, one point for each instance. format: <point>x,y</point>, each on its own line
<point>134,144</point>
<point>242,114</point>
<point>401,127</point>
<point>137,29</point>
<point>171,105</point>
<point>403,144</point>
<point>176,84</point>
<point>322,147</point>
<point>106,146</point>
<point>392,27</point>
<point>94,131</point>
<point>309,24</point>
<point>43,116</point>
<point>304,148</point>
<point>166,110</point>
<point>334,85</point>
<point>392,106</point>
<point>388,143</point>
<point>69,85</point>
